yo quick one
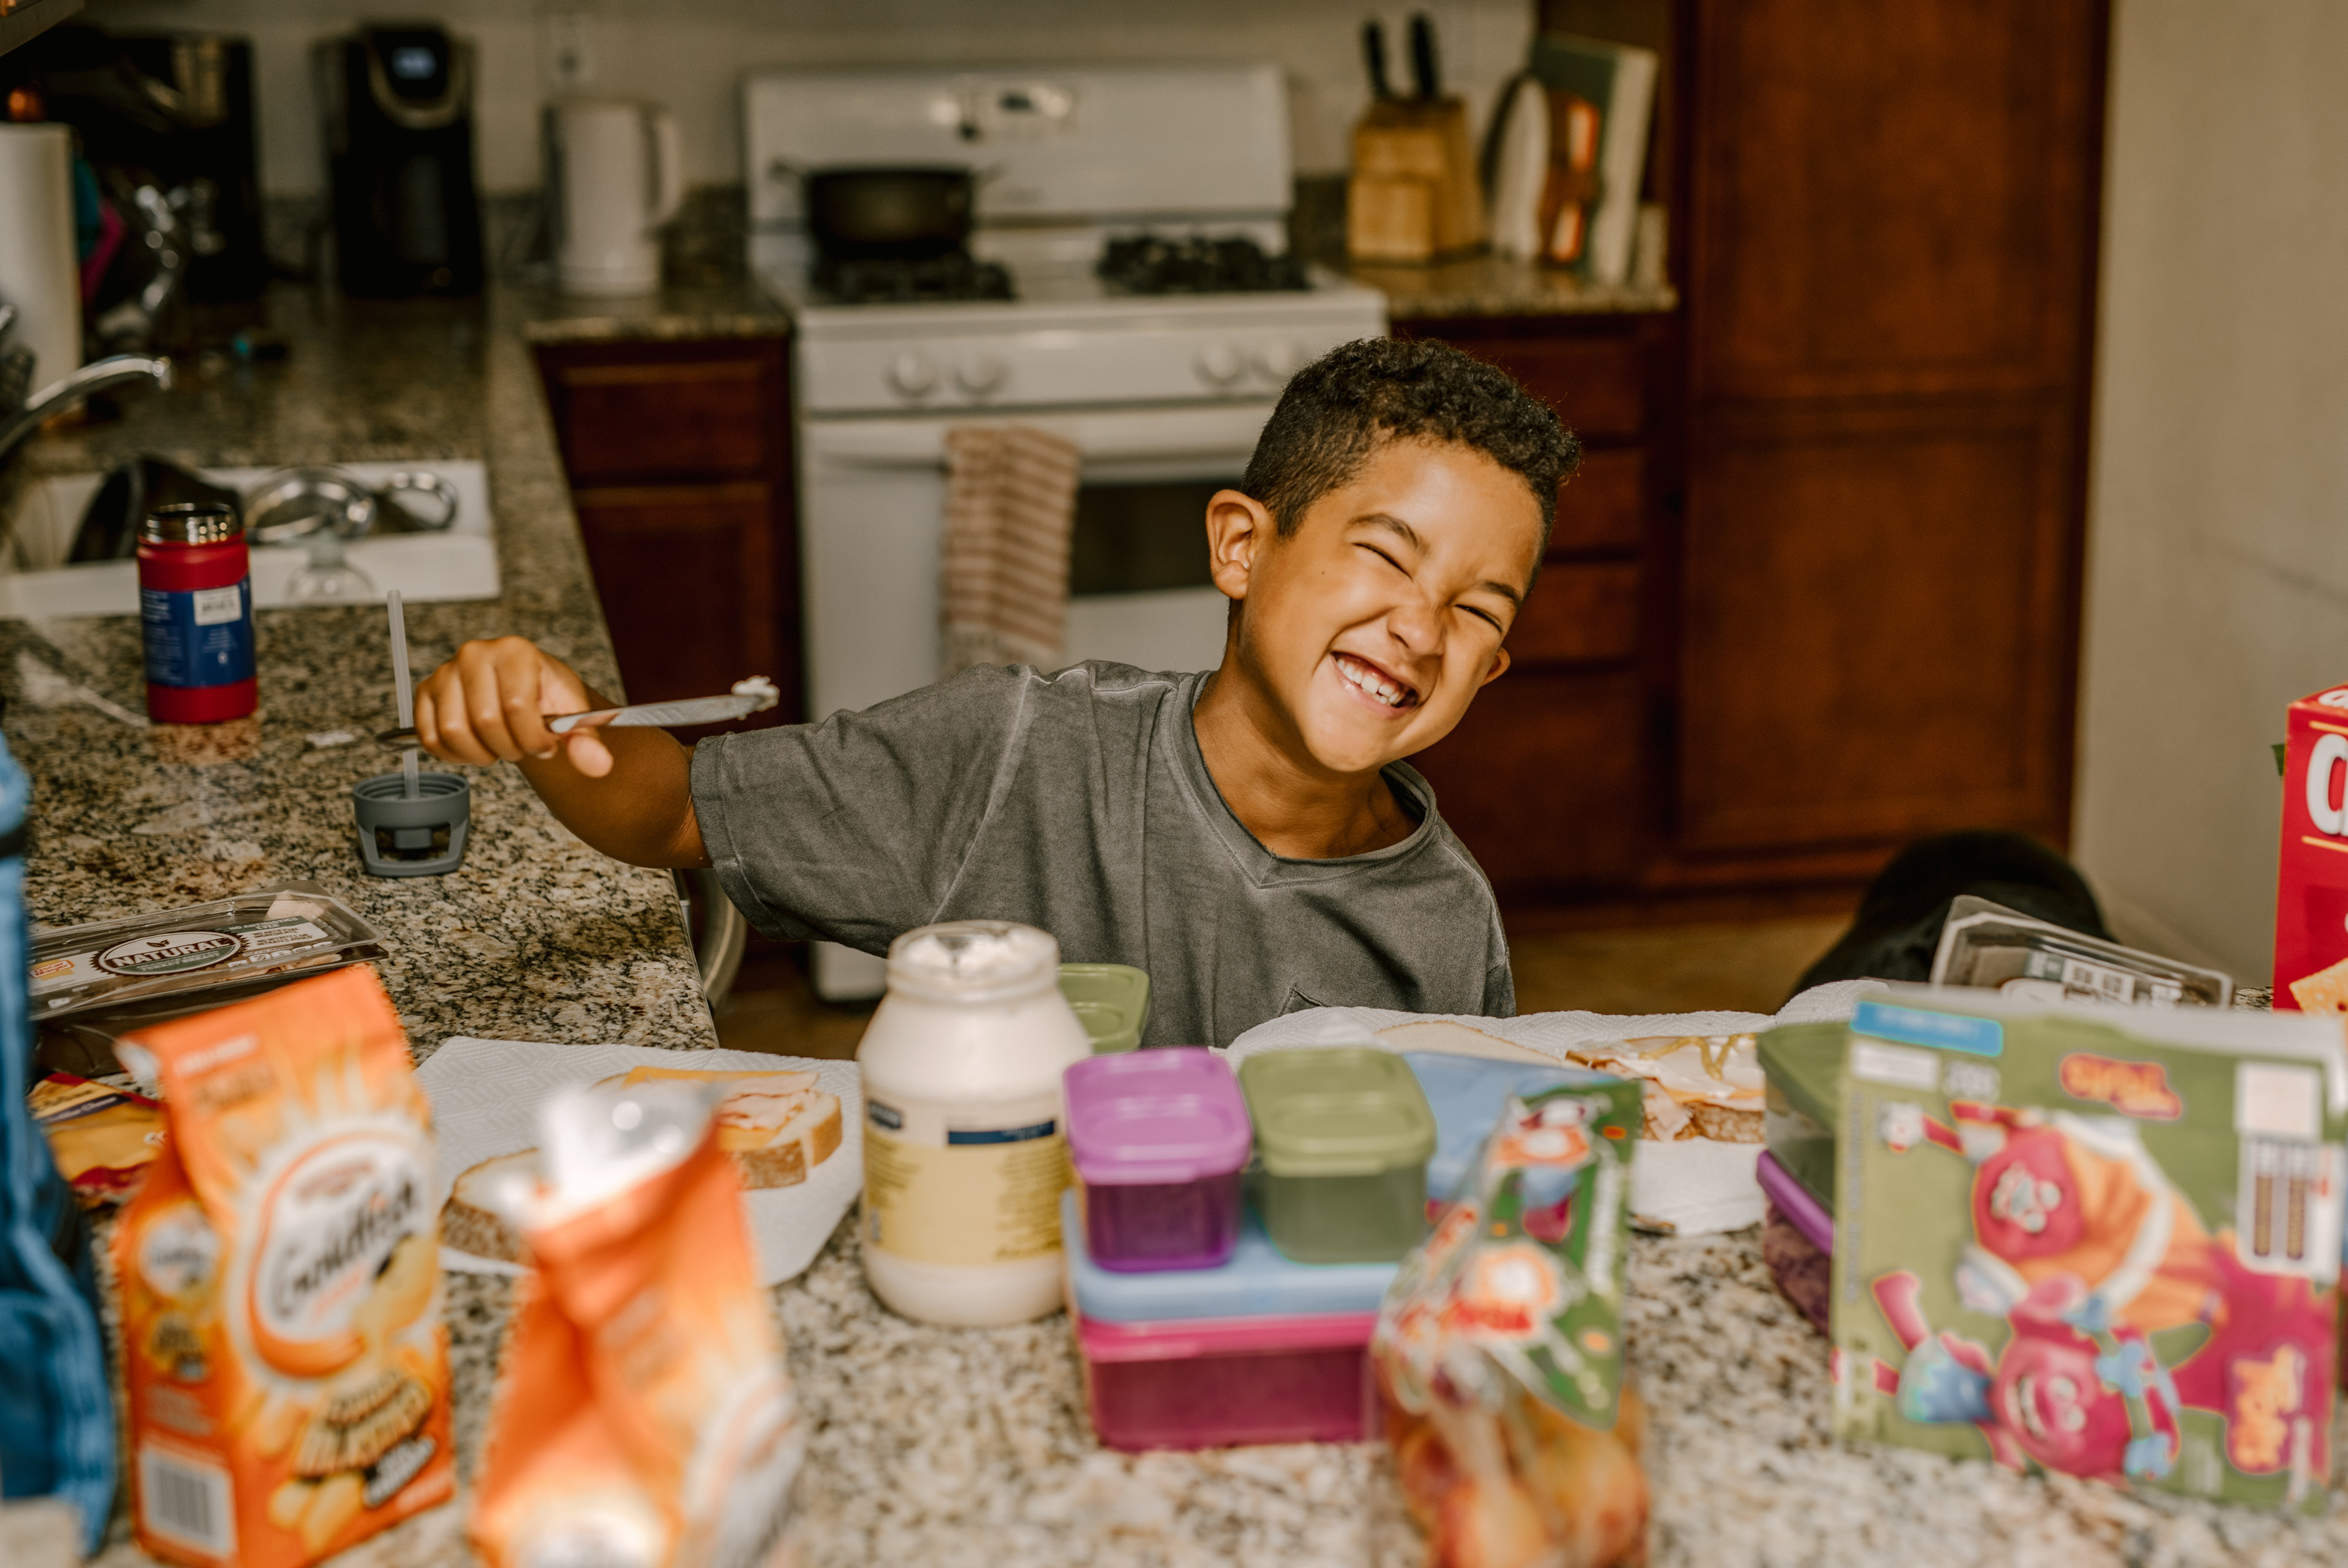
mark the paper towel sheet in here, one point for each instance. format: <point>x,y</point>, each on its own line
<point>485,1099</point>
<point>1697,1185</point>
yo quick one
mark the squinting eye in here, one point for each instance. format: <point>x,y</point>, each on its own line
<point>1487,617</point>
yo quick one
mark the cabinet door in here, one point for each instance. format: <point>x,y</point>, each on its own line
<point>1893,198</point>
<point>1546,782</point>
<point>693,418</point>
<point>1878,608</point>
<point>687,578</point>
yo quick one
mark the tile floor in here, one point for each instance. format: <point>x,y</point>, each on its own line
<point>1657,969</point>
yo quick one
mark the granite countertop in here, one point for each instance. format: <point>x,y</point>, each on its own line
<point>1495,286</point>
<point>927,1445</point>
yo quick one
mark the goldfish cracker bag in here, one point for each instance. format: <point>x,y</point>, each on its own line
<point>1500,1348</point>
<point>644,1415</point>
<point>283,1347</point>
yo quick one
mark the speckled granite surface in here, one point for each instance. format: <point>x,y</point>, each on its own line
<point>536,936</point>
<point>733,309</point>
<point>1495,286</point>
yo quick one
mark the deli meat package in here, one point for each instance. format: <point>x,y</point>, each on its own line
<point>1499,1346</point>
<point>2092,1241</point>
<point>644,1416</point>
<point>2311,945</point>
<point>286,1366</point>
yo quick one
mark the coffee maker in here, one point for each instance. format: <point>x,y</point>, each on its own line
<point>398,105</point>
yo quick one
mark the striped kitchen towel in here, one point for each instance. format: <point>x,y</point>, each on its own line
<point>1011,506</point>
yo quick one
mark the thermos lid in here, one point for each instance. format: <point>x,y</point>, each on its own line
<point>193,523</point>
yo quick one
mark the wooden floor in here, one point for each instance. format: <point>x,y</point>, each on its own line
<point>1749,965</point>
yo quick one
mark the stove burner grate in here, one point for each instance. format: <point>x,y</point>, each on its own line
<point>940,279</point>
<point>1156,265</point>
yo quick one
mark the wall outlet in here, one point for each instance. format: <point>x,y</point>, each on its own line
<point>566,49</point>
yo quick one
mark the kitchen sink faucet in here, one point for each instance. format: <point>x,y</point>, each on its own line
<point>59,395</point>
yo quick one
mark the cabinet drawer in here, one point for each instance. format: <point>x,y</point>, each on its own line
<point>1604,506</point>
<point>1598,385</point>
<point>698,419</point>
<point>1579,613</point>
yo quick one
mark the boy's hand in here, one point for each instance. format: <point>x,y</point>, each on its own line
<point>491,702</point>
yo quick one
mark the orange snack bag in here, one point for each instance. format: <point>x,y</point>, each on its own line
<point>283,1345</point>
<point>644,1418</point>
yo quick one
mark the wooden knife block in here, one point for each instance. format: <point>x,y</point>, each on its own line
<point>1415,195</point>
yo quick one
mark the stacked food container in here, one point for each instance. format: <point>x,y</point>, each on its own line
<point>1231,1234</point>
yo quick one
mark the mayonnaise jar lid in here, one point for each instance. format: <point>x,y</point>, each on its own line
<point>973,961</point>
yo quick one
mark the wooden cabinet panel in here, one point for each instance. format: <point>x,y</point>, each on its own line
<point>1545,780</point>
<point>1597,385</point>
<point>695,419</point>
<point>687,578</point>
<point>1878,612</point>
<point>1604,505</point>
<point>1579,612</point>
<point>1894,199</point>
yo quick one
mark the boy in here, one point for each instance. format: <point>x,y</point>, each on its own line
<point>1249,836</point>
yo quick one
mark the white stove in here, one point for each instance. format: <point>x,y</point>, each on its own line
<point>1163,393</point>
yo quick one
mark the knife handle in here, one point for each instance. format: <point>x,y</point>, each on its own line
<point>1428,80</point>
<point>1373,55</point>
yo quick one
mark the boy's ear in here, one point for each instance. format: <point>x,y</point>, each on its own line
<point>1239,529</point>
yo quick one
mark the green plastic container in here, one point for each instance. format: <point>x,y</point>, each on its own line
<point>1112,1001</point>
<point>1802,1065</point>
<point>1343,1134</point>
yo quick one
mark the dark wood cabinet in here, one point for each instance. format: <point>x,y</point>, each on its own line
<point>680,466</point>
<point>1815,591</point>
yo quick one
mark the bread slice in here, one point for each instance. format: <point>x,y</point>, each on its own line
<point>474,1219</point>
<point>777,1127</point>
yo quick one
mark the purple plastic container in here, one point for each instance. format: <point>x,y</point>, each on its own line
<point>1159,1138</point>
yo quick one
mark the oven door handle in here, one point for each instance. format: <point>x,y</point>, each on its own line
<point>1223,437</point>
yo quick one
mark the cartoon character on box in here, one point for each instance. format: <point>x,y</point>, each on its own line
<point>2084,1247</point>
<point>2065,1197</point>
<point>2069,1390</point>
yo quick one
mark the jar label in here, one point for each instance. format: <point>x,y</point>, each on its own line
<point>945,1183</point>
<point>198,636</point>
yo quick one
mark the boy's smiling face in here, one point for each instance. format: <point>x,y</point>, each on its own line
<point>1367,631</point>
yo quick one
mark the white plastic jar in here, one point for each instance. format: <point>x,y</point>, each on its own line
<point>966,1136</point>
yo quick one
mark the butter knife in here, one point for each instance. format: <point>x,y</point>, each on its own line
<point>754,695</point>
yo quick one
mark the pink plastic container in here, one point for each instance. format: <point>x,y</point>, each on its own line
<point>1213,1382</point>
<point>1797,1241</point>
<point>1159,1138</point>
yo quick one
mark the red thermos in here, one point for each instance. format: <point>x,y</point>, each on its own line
<point>195,614</point>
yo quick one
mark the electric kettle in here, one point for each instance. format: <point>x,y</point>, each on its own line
<point>615,173</point>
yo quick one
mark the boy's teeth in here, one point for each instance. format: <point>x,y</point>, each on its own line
<point>1393,696</point>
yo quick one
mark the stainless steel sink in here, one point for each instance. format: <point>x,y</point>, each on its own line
<point>35,583</point>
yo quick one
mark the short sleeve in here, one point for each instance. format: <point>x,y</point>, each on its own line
<point>852,829</point>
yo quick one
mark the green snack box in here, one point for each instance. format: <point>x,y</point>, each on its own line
<point>1111,1000</point>
<point>1801,1067</point>
<point>1343,1134</point>
<point>2092,1241</point>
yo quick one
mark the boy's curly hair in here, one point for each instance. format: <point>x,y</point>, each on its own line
<point>1360,395</point>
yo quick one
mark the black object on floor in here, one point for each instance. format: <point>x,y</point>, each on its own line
<point>1897,928</point>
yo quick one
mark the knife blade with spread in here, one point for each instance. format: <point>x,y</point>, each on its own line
<point>753,695</point>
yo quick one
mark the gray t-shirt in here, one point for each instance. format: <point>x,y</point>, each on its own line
<point>1079,802</point>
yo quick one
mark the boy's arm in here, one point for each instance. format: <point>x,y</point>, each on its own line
<point>627,793</point>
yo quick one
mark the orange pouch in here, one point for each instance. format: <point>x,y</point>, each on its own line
<point>644,1415</point>
<point>283,1347</point>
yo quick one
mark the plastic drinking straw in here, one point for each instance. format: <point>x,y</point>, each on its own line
<point>410,784</point>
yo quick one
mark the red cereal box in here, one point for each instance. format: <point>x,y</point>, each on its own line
<point>2310,967</point>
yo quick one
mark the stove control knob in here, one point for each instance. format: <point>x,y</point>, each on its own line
<point>1220,363</point>
<point>1279,359</point>
<point>912,375</point>
<point>979,376</point>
